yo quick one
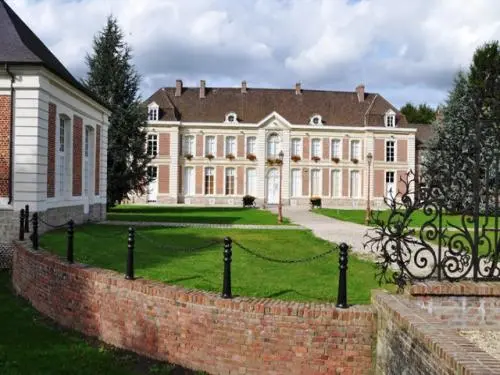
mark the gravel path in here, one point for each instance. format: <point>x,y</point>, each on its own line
<point>489,341</point>
<point>202,225</point>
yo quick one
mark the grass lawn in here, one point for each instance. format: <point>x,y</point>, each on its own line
<point>160,256</point>
<point>32,344</point>
<point>188,214</point>
<point>418,218</point>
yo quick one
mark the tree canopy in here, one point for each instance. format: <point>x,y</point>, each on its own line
<point>421,114</point>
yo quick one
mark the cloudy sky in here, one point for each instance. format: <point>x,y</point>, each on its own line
<point>407,50</point>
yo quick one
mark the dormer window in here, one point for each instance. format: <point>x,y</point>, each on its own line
<point>390,119</point>
<point>153,112</point>
<point>231,118</point>
<point>316,120</point>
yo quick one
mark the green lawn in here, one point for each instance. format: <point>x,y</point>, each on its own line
<point>188,214</point>
<point>32,344</point>
<point>160,255</point>
<point>417,219</point>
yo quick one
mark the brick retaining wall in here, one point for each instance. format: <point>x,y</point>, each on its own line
<point>197,329</point>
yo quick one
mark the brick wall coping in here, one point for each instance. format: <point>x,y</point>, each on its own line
<point>461,288</point>
<point>455,351</point>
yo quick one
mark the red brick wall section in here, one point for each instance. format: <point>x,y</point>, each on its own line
<point>164,144</point>
<point>379,182</point>
<point>163,179</point>
<point>199,145</point>
<point>219,180</point>
<point>306,144</point>
<point>51,152</point>
<point>345,183</point>
<point>345,149</point>
<point>199,180</point>
<point>305,182</point>
<point>241,180</point>
<point>97,159</point>
<point>241,146</point>
<point>220,146</point>
<point>379,150</point>
<point>401,180</point>
<point>402,152</point>
<point>326,174</point>
<point>77,156</point>
<point>4,145</point>
<point>326,149</point>
<point>196,329</point>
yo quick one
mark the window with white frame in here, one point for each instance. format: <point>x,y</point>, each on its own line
<point>231,145</point>
<point>315,182</point>
<point>251,183</point>
<point>355,184</point>
<point>316,147</point>
<point>389,151</point>
<point>230,178</point>
<point>152,145</point>
<point>209,181</point>
<point>273,144</point>
<point>316,120</point>
<point>390,186</point>
<point>390,119</point>
<point>210,145</point>
<point>336,148</point>
<point>355,149</point>
<point>188,144</point>
<point>296,183</point>
<point>251,145</point>
<point>189,182</point>
<point>296,146</point>
<point>336,186</point>
<point>63,155</point>
<point>153,112</point>
<point>231,117</point>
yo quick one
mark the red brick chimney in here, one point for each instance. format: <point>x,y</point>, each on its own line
<point>243,87</point>
<point>178,87</point>
<point>360,90</point>
<point>298,89</point>
<point>202,89</point>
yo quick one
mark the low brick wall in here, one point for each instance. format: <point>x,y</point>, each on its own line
<point>196,329</point>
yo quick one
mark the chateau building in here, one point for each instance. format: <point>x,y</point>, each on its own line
<point>215,145</point>
<point>53,136</point>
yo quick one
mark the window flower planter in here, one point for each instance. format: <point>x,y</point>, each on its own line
<point>251,157</point>
<point>335,160</point>
<point>296,158</point>
<point>274,161</point>
<point>355,161</point>
<point>209,156</point>
<point>316,158</point>
<point>230,157</point>
<point>188,156</point>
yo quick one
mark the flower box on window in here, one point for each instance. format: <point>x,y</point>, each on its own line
<point>271,161</point>
<point>188,156</point>
<point>335,160</point>
<point>230,157</point>
<point>296,158</point>
<point>251,157</point>
<point>209,156</point>
<point>315,202</point>
<point>316,158</point>
<point>355,161</point>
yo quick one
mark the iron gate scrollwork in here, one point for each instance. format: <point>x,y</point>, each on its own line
<point>448,244</point>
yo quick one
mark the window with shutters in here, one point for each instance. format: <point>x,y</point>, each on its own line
<point>336,183</point>
<point>296,183</point>
<point>230,181</point>
<point>355,184</point>
<point>209,181</point>
<point>316,182</point>
<point>251,183</point>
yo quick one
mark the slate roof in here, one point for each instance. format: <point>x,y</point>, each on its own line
<point>20,46</point>
<point>335,107</point>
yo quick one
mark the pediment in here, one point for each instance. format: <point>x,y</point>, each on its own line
<point>274,121</point>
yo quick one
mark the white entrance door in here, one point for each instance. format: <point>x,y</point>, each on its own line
<point>390,186</point>
<point>153,185</point>
<point>273,186</point>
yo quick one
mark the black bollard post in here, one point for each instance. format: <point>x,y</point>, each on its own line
<point>130,254</point>
<point>21,225</point>
<point>226,285</point>
<point>70,247</point>
<point>342,293</point>
<point>27,219</point>
<point>35,231</point>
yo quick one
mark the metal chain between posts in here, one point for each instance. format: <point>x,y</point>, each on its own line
<point>63,225</point>
<point>164,247</point>
<point>285,261</point>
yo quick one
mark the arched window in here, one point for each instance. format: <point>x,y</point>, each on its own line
<point>153,112</point>
<point>273,146</point>
<point>390,119</point>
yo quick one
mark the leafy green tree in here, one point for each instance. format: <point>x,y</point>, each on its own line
<point>465,147</point>
<point>421,114</point>
<point>113,78</point>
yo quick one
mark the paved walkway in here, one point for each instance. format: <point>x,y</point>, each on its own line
<point>202,225</point>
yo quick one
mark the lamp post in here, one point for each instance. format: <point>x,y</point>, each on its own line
<point>369,158</point>
<point>280,208</point>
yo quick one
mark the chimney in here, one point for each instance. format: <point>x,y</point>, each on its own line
<point>202,89</point>
<point>298,89</point>
<point>178,87</point>
<point>243,87</point>
<point>360,90</point>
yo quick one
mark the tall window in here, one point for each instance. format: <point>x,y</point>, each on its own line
<point>315,182</point>
<point>152,146</point>
<point>251,145</point>
<point>336,187</point>
<point>210,145</point>
<point>209,181</point>
<point>229,181</point>
<point>296,147</point>
<point>316,147</point>
<point>189,181</point>
<point>61,153</point>
<point>355,184</point>
<point>390,186</point>
<point>231,145</point>
<point>389,151</point>
<point>272,146</point>
<point>251,184</point>
<point>296,183</point>
<point>390,120</point>
<point>355,149</point>
<point>188,145</point>
<point>336,148</point>
<point>153,112</point>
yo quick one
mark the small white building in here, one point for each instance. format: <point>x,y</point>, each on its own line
<point>53,135</point>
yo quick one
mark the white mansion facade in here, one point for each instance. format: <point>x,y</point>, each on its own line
<point>215,145</point>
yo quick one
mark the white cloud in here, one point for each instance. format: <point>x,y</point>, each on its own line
<point>405,50</point>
